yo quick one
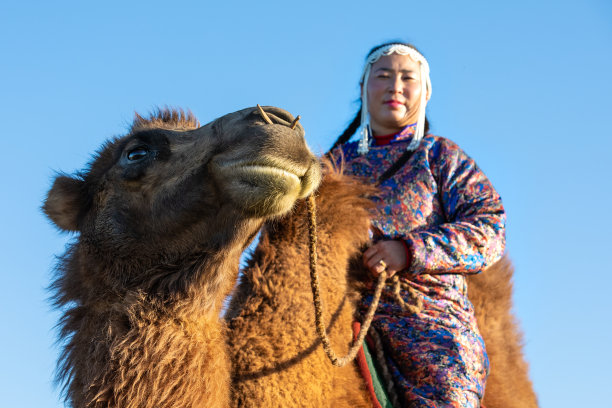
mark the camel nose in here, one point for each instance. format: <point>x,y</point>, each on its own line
<point>278,115</point>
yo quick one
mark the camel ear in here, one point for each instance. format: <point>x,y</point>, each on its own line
<point>65,202</point>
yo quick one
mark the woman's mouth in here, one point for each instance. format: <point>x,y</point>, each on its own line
<point>394,104</point>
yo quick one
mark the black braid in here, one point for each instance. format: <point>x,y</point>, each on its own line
<point>354,125</point>
<point>349,131</point>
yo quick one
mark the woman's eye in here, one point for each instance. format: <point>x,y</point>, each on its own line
<point>137,154</point>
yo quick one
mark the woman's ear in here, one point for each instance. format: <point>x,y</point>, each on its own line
<point>65,202</point>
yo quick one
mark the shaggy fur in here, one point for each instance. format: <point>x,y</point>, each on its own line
<point>508,385</point>
<point>277,356</point>
<point>163,217</point>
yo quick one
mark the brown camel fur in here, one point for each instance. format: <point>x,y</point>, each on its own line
<point>508,385</point>
<point>163,215</point>
<point>278,360</point>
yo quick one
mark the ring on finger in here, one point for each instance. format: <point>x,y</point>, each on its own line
<point>383,264</point>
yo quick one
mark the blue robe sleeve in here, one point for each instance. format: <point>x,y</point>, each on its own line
<point>473,236</point>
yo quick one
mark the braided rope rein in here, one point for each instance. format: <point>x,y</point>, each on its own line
<point>398,285</point>
<point>314,283</point>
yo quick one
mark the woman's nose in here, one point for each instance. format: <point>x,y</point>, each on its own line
<point>397,86</point>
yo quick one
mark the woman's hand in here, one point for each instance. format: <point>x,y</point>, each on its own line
<point>392,254</point>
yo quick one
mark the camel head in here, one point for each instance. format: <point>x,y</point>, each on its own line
<point>170,188</point>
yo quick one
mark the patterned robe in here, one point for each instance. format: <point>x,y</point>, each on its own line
<point>446,210</point>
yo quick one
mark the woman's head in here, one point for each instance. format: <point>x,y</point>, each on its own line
<point>395,88</point>
<point>393,93</point>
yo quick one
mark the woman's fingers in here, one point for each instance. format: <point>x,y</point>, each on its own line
<point>385,255</point>
<point>372,258</point>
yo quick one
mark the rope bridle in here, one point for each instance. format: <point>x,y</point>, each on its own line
<point>382,278</point>
<point>314,283</point>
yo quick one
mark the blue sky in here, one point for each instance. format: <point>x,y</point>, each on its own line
<point>523,87</point>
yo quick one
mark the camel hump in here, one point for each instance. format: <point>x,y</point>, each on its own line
<point>495,282</point>
<point>343,194</point>
<point>490,292</point>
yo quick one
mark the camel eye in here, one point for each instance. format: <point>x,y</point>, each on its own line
<point>137,154</point>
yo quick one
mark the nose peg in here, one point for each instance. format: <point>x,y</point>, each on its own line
<point>267,119</point>
<point>295,122</point>
<point>264,115</point>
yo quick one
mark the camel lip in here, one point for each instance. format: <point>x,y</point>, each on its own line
<point>270,171</point>
<point>261,190</point>
<point>268,165</point>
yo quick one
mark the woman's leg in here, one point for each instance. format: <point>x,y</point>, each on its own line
<point>434,365</point>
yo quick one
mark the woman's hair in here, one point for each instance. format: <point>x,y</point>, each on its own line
<point>356,122</point>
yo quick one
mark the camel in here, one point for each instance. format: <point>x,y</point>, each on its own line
<point>278,359</point>
<point>162,216</point>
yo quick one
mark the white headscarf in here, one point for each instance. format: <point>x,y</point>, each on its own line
<point>400,49</point>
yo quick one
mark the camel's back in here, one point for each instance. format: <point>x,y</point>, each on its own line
<point>508,385</point>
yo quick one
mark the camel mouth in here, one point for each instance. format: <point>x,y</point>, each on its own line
<point>261,189</point>
<point>259,180</point>
<point>256,170</point>
<point>267,188</point>
<point>265,161</point>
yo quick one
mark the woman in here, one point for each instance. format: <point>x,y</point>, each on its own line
<point>439,218</point>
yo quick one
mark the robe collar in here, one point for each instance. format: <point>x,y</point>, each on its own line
<point>405,134</point>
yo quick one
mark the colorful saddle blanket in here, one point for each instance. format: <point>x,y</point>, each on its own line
<point>374,381</point>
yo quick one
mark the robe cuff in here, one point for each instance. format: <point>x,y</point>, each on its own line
<point>408,254</point>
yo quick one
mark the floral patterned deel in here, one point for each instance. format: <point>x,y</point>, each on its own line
<point>444,207</point>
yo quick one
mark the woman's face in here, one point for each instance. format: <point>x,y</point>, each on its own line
<point>394,92</point>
